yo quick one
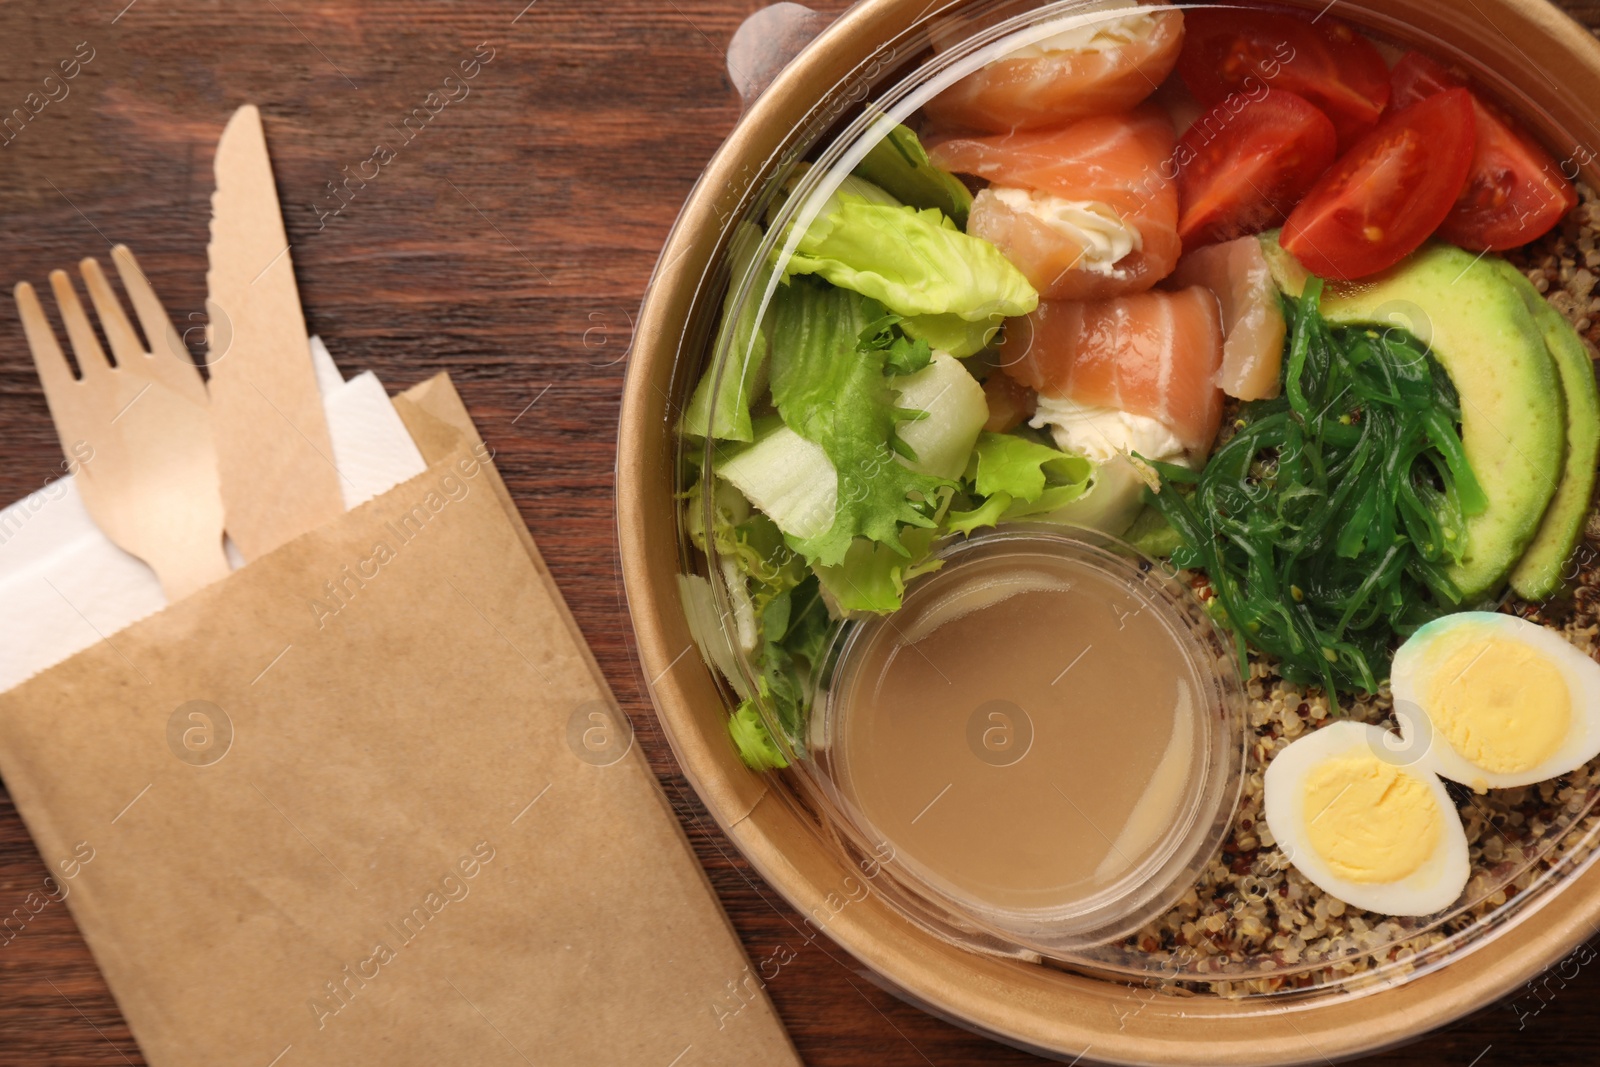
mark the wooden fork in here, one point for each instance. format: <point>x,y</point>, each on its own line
<point>151,480</point>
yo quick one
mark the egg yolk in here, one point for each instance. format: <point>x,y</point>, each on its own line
<point>1500,704</point>
<point>1369,820</point>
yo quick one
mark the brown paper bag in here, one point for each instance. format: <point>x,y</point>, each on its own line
<point>367,801</point>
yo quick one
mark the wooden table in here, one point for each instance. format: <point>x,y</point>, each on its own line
<point>508,244</point>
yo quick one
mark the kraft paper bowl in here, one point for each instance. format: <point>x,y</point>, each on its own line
<point>1535,58</point>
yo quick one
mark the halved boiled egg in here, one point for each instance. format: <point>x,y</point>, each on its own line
<point>1364,825</point>
<point>1496,701</point>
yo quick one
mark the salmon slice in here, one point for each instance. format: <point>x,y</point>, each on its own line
<point>1154,354</point>
<point>1252,315</point>
<point>1099,68</point>
<point>1113,171</point>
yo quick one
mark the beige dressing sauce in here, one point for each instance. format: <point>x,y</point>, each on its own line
<point>1023,734</point>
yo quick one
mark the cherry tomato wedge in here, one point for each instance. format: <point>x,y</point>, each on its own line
<point>1515,191</point>
<point>1388,194</point>
<point>1227,50</point>
<point>1244,164</point>
<point>1416,76</point>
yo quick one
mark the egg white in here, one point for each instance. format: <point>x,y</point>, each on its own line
<point>1411,681</point>
<point>1432,887</point>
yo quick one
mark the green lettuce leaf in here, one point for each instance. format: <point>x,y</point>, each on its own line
<point>726,415</point>
<point>711,631</point>
<point>791,652</point>
<point>989,513</point>
<point>805,633</point>
<point>1153,535</point>
<point>900,166</point>
<point>787,476</point>
<point>1019,478</point>
<point>769,580</point>
<point>873,577</point>
<point>837,396</point>
<point>1006,463</point>
<point>901,354</point>
<point>952,333</point>
<point>748,538</point>
<point>755,744</point>
<point>917,264</point>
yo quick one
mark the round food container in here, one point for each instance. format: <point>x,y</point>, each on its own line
<point>1073,715</point>
<point>1054,959</point>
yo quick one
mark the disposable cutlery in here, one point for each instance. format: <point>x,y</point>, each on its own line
<point>275,460</point>
<point>150,477</point>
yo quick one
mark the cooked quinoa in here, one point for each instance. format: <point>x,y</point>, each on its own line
<point>1252,923</point>
<point>1565,265</point>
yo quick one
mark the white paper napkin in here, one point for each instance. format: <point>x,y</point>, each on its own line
<point>64,585</point>
<point>371,448</point>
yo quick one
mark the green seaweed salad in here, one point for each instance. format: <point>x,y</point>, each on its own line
<point>1327,520</point>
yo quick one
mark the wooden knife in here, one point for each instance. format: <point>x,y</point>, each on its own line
<point>274,457</point>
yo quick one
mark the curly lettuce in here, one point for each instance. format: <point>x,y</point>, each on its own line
<point>1019,478</point>
<point>873,577</point>
<point>834,393</point>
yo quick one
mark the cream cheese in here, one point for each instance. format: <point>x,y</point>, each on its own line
<point>1097,227</point>
<point>1103,434</point>
<point>1107,35</point>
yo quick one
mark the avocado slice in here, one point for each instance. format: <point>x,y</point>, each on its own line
<point>1539,575</point>
<point>1481,331</point>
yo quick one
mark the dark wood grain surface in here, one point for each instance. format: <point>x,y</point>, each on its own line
<point>508,243</point>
